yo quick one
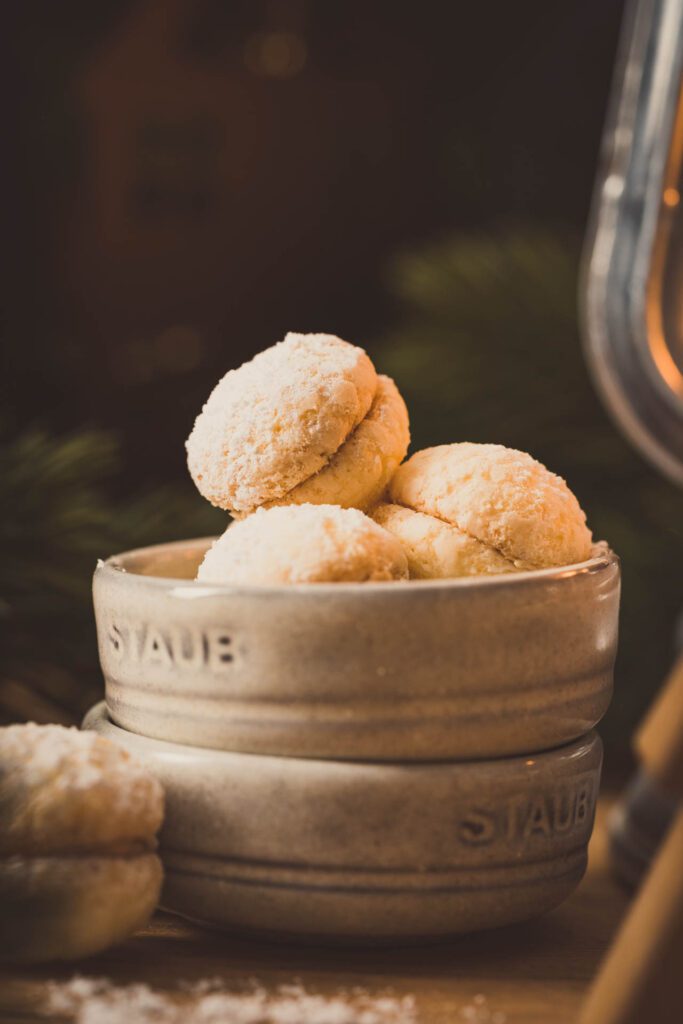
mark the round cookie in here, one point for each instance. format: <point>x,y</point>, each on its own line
<point>304,544</point>
<point>277,420</point>
<point>437,550</point>
<point>357,474</point>
<point>502,497</point>
<point>78,823</point>
<point>62,791</point>
<point>63,908</point>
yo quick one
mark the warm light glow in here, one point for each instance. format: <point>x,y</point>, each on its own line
<point>657,341</point>
<point>275,54</point>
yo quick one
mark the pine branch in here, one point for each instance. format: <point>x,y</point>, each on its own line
<point>58,519</point>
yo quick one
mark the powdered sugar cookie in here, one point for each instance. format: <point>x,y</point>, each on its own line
<point>62,908</point>
<point>304,544</point>
<point>357,474</point>
<point>277,420</point>
<point>62,790</point>
<point>501,497</point>
<point>78,823</point>
<point>437,550</point>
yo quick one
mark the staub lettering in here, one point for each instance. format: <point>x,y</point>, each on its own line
<point>523,818</point>
<point>176,647</point>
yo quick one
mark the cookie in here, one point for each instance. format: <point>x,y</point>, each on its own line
<point>304,544</point>
<point>78,824</point>
<point>357,474</point>
<point>437,550</point>
<point>64,791</point>
<point>277,420</point>
<point>67,907</point>
<point>501,497</point>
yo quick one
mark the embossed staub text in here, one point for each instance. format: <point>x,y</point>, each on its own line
<point>174,647</point>
<point>522,818</point>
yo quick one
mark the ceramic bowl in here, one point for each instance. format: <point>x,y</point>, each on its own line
<point>367,851</point>
<point>423,670</point>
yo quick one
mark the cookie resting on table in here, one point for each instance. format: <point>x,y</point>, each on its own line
<point>78,824</point>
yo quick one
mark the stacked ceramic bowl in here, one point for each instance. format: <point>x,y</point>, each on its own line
<point>362,761</point>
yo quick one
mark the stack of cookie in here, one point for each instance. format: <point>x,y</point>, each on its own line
<point>371,711</point>
<point>78,823</point>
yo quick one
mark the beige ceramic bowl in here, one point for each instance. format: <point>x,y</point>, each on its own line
<point>420,670</point>
<point>367,851</point>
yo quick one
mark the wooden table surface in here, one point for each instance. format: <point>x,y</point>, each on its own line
<point>534,973</point>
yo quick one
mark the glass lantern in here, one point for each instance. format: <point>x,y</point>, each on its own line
<point>632,295</point>
<point>632,290</point>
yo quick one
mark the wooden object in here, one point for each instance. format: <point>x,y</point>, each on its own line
<point>659,742</point>
<point>641,979</point>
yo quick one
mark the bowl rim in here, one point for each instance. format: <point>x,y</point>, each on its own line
<point>113,568</point>
<point>99,716</point>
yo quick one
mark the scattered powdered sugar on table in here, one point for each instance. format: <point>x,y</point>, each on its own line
<point>479,1012</point>
<point>100,1001</point>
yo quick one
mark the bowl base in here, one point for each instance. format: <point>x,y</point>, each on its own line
<point>359,916</point>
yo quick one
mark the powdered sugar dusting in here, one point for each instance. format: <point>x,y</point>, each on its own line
<point>43,751</point>
<point>69,789</point>
<point>66,757</point>
<point>276,420</point>
<point>479,1012</point>
<point>304,544</point>
<point>100,1001</point>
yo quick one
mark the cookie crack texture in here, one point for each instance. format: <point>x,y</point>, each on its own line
<point>436,549</point>
<point>276,421</point>
<point>357,474</point>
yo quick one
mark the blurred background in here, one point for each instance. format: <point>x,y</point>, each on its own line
<point>189,179</point>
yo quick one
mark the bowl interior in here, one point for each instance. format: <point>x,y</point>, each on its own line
<point>179,561</point>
